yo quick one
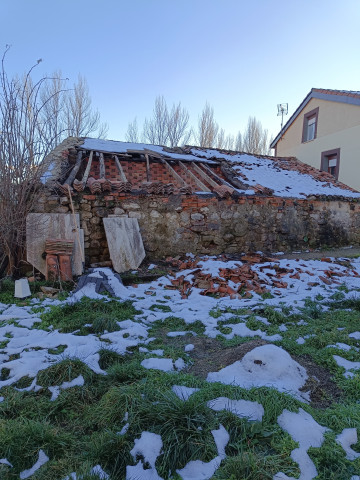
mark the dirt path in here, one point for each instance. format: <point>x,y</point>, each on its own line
<point>347,252</point>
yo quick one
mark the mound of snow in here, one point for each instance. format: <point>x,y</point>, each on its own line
<point>265,366</point>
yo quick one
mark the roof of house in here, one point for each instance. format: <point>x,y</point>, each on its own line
<point>137,167</point>
<point>343,96</point>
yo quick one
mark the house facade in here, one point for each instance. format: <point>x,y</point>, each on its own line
<point>324,132</point>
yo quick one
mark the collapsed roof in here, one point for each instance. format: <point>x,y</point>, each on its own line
<point>88,164</point>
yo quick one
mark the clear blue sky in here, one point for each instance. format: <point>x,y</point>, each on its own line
<point>243,57</point>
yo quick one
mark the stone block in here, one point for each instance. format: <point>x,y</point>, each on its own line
<point>125,243</point>
<point>131,206</point>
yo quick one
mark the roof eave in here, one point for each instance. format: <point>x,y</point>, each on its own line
<point>315,93</point>
<point>292,118</point>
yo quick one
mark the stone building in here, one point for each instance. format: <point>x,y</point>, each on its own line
<point>197,200</point>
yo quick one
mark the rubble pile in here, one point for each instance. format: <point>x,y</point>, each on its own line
<point>242,279</point>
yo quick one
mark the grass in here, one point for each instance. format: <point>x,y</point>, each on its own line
<point>7,290</point>
<point>81,427</point>
<point>88,316</point>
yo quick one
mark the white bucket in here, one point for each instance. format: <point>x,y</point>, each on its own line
<point>22,288</point>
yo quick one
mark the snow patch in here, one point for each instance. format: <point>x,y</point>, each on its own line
<point>240,408</point>
<point>265,366</point>
<point>42,459</point>
<point>347,438</point>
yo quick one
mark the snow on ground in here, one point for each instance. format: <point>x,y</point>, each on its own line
<point>76,382</point>
<point>163,364</point>
<point>265,366</point>
<point>303,429</point>
<point>43,458</point>
<point>147,448</point>
<point>28,347</point>
<point>199,470</point>
<point>184,393</point>
<point>241,330</point>
<point>240,408</point>
<point>348,365</point>
<point>347,438</point>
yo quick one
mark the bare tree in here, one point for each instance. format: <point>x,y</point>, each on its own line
<point>220,140</point>
<point>255,138</point>
<point>80,118</point>
<point>156,129</point>
<point>238,142</point>
<point>178,126</point>
<point>23,146</point>
<point>132,133</point>
<point>229,142</point>
<point>53,95</point>
<point>207,128</point>
<point>166,126</point>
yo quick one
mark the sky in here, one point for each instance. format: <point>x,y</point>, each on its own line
<point>241,57</point>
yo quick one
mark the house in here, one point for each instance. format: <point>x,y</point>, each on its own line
<point>324,132</point>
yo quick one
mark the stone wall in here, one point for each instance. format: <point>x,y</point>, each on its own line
<point>206,224</point>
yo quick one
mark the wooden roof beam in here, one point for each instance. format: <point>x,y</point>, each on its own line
<point>88,168</point>
<point>205,176</point>
<point>102,165</point>
<point>119,167</point>
<point>198,182</point>
<point>148,176</point>
<point>74,171</point>
<point>215,175</point>
<point>174,174</point>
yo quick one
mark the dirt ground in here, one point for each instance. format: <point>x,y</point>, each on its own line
<point>346,252</point>
<point>210,355</point>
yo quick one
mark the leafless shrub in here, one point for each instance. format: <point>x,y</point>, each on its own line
<point>35,115</point>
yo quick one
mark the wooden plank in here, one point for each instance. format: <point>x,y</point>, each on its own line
<point>205,176</point>
<point>88,168</point>
<point>76,229</point>
<point>214,174</point>
<point>195,178</point>
<point>74,171</point>
<point>102,165</point>
<point>122,174</point>
<point>174,174</point>
<point>148,177</point>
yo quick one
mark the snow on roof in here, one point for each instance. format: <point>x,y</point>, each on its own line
<point>113,146</point>
<point>286,177</point>
<point>286,183</point>
<point>259,170</point>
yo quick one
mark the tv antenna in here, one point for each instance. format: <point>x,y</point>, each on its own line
<point>282,110</point>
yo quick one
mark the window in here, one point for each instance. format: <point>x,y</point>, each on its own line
<point>330,162</point>
<point>310,125</point>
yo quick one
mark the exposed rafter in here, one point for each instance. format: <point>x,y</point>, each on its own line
<point>205,176</point>
<point>198,182</point>
<point>119,167</point>
<point>74,171</point>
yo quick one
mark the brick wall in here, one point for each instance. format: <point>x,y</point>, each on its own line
<point>206,224</point>
<point>135,171</point>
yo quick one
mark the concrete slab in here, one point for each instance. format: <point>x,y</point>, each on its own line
<point>40,226</point>
<point>125,243</point>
